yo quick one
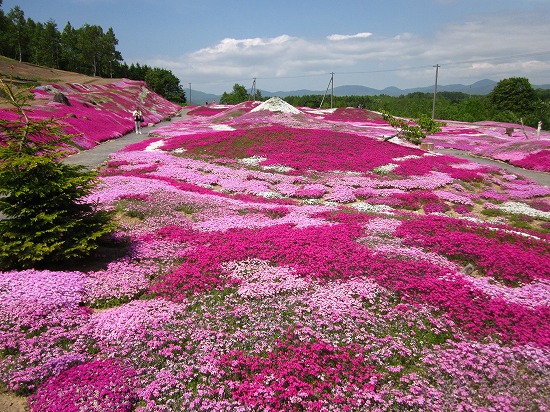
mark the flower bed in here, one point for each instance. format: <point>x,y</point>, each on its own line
<point>98,112</point>
<point>274,267</point>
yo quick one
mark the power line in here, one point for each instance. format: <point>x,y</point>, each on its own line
<point>389,70</point>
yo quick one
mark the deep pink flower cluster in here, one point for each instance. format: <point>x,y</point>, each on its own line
<point>327,150</point>
<point>536,161</point>
<point>435,207</point>
<point>104,385</point>
<point>504,256</point>
<point>331,252</point>
<point>445,163</point>
<point>301,376</point>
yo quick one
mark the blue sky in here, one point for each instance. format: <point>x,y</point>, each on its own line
<point>296,44</point>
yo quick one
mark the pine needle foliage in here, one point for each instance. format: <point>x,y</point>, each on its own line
<point>42,216</point>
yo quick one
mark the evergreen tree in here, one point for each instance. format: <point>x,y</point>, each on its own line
<point>69,47</point>
<point>111,57</point>
<point>3,32</point>
<point>44,218</point>
<point>16,33</point>
<point>164,82</point>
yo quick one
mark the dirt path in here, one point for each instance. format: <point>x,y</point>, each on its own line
<point>12,403</point>
<point>542,178</point>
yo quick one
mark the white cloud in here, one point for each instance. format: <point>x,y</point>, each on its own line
<point>488,46</point>
<point>338,37</point>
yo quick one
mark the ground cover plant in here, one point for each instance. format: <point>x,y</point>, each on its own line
<point>283,259</point>
<point>94,113</point>
<point>518,145</point>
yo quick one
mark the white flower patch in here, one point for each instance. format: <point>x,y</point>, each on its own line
<point>278,168</point>
<point>367,207</point>
<point>321,111</point>
<point>522,208</point>
<point>385,169</point>
<point>270,195</point>
<point>180,150</point>
<point>154,147</point>
<point>252,161</point>
<point>222,127</point>
<point>402,159</point>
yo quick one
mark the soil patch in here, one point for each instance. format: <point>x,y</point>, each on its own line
<point>22,74</point>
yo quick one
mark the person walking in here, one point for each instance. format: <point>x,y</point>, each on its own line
<point>138,118</point>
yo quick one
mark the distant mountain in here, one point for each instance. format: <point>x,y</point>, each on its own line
<point>481,87</point>
<point>199,98</point>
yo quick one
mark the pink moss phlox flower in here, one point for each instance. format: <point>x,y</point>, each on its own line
<point>121,280</point>
<point>40,315</point>
<point>299,375</point>
<point>133,327</point>
<point>108,385</point>
<point>465,379</point>
<point>498,254</point>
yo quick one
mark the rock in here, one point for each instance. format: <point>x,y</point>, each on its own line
<point>468,269</point>
<point>61,98</point>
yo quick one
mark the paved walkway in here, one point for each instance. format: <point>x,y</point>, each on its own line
<point>96,156</point>
<point>542,178</point>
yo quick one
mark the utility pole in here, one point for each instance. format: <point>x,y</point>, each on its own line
<point>330,83</point>
<point>253,90</point>
<point>190,93</point>
<point>435,89</point>
<point>332,89</point>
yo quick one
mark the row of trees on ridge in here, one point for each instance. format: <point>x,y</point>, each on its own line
<point>88,50</point>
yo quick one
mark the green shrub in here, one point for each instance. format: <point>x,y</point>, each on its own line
<point>44,219</point>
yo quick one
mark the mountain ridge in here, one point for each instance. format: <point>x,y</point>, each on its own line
<point>481,87</point>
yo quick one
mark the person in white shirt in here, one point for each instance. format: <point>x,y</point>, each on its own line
<point>138,118</point>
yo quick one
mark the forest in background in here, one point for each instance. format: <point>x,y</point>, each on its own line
<point>513,100</point>
<point>87,50</point>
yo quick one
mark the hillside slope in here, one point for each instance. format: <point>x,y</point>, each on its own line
<point>98,109</point>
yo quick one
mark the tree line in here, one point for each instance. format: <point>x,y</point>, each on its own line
<point>88,50</point>
<point>512,100</point>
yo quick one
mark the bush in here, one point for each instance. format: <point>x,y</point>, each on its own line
<point>45,219</point>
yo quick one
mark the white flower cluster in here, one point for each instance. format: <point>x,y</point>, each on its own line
<point>402,159</point>
<point>522,208</point>
<point>154,146</point>
<point>276,104</point>
<point>278,168</point>
<point>222,127</point>
<point>252,161</point>
<point>367,207</point>
<point>385,169</point>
